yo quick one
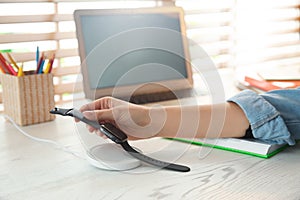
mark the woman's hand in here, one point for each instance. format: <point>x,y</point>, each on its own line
<point>140,122</point>
<point>134,120</point>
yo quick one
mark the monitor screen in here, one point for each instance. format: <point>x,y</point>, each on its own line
<point>138,50</point>
<point>128,49</point>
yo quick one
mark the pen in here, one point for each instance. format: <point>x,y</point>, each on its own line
<point>37,56</point>
<point>50,64</point>
<point>46,71</point>
<point>6,65</point>
<point>3,64</point>
<point>40,63</point>
<point>20,71</point>
<point>12,60</point>
<point>3,68</point>
<point>41,66</point>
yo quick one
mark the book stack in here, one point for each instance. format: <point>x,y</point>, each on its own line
<point>267,80</point>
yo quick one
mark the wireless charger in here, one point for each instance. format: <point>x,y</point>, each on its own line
<point>103,154</point>
<point>110,156</point>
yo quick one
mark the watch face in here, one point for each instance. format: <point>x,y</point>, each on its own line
<point>111,129</point>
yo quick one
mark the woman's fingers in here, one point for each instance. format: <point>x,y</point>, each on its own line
<point>103,103</point>
<point>99,115</point>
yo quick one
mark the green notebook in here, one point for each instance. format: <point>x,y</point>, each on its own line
<point>245,146</point>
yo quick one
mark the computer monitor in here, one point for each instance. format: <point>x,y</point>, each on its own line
<point>127,52</point>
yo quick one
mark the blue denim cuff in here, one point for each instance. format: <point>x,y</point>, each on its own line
<point>266,123</point>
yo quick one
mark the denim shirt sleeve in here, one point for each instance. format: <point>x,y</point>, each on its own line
<point>265,119</point>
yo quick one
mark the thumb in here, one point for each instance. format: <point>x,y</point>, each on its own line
<point>99,115</point>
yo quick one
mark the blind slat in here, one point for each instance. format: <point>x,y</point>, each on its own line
<point>8,38</point>
<point>67,88</point>
<point>66,71</point>
<point>208,11</point>
<point>248,59</point>
<point>35,18</point>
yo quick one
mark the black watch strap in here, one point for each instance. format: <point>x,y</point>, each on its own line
<point>119,137</point>
<point>152,161</point>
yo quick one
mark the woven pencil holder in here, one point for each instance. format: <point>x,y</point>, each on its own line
<point>28,99</point>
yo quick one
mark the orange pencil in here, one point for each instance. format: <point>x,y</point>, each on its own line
<point>12,60</point>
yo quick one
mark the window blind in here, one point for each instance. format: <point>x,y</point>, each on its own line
<point>267,34</point>
<point>245,33</point>
<point>48,24</point>
<point>234,33</point>
<point>210,25</point>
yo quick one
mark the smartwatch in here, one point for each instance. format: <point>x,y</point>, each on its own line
<point>119,137</point>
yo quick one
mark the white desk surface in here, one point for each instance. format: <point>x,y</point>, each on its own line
<point>37,171</point>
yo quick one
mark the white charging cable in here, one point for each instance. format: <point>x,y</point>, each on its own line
<point>51,142</point>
